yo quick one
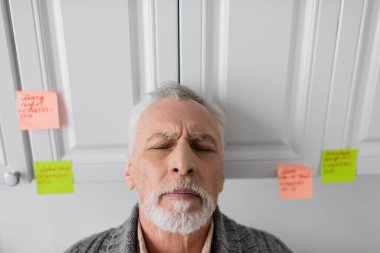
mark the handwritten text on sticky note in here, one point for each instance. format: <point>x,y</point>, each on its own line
<point>294,181</point>
<point>37,110</point>
<point>53,177</point>
<point>338,165</point>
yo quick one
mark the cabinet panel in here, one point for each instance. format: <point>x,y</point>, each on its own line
<point>14,155</point>
<point>259,92</point>
<point>365,130</point>
<point>99,56</point>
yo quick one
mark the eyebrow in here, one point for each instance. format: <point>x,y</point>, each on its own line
<point>202,137</point>
<point>165,136</point>
<point>193,137</point>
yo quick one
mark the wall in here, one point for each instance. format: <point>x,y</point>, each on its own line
<point>340,218</point>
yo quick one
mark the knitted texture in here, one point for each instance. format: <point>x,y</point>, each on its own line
<point>228,237</point>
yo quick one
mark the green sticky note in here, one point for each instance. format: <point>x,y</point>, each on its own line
<point>338,165</point>
<point>53,177</point>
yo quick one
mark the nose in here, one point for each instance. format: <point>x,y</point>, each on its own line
<point>182,160</point>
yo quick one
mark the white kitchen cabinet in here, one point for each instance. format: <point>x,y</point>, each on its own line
<point>99,56</point>
<point>354,115</point>
<point>294,77</point>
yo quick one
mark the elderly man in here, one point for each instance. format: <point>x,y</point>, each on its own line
<point>176,166</point>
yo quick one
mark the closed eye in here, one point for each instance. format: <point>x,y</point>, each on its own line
<point>202,148</point>
<point>162,146</point>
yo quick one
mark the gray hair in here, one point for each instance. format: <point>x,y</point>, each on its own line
<point>175,90</point>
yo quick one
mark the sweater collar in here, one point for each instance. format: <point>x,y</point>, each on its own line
<point>125,237</point>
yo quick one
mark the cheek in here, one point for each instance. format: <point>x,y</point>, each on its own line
<point>213,175</point>
<point>148,175</point>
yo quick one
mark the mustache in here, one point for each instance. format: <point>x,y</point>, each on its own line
<point>179,185</point>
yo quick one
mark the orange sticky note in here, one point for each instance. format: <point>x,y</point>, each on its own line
<point>294,181</point>
<point>37,109</point>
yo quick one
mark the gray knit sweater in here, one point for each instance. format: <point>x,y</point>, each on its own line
<point>228,237</point>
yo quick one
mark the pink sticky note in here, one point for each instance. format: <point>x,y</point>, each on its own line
<point>37,109</point>
<point>294,181</point>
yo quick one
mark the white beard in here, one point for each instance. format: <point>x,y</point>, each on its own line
<point>182,218</point>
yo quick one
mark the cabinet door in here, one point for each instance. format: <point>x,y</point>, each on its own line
<point>271,65</point>
<point>99,56</point>
<point>354,108</point>
<point>13,142</point>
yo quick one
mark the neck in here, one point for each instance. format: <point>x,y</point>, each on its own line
<point>158,241</point>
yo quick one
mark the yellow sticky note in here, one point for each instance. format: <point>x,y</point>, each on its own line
<point>53,177</point>
<point>338,165</point>
<point>294,181</point>
<point>37,110</point>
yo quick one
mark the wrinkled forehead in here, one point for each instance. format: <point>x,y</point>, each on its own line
<point>176,115</point>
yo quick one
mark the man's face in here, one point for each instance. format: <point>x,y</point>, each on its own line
<point>176,139</point>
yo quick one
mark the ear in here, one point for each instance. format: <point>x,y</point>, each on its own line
<point>221,181</point>
<point>221,186</point>
<point>128,174</point>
